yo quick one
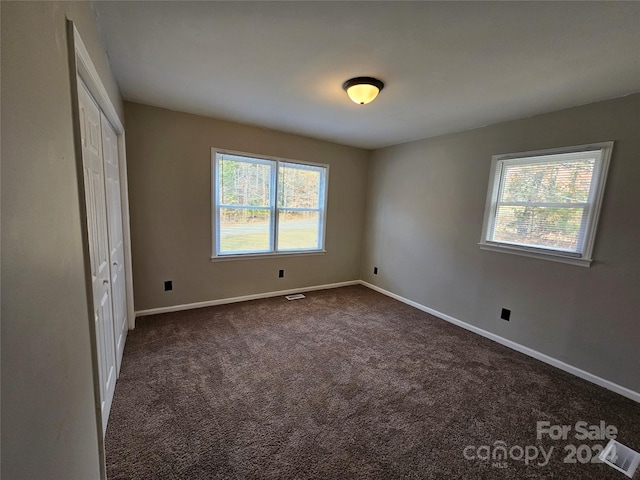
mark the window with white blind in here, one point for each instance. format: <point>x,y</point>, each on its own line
<point>265,205</point>
<point>546,203</point>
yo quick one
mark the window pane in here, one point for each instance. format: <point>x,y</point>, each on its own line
<point>546,203</point>
<point>298,230</point>
<point>549,182</point>
<point>247,192</point>
<point>300,186</point>
<point>244,230</point>
<point>546,227</point>
<point>244,181</point>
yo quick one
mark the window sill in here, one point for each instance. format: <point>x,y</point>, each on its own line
<point>554,257</point>
<point>253,256</point>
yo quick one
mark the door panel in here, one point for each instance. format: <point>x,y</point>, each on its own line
<point>95,197</point>
<point>116,240</point>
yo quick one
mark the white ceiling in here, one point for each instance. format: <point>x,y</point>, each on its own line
<point>447,66</point>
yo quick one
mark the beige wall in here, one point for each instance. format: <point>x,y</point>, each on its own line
<point>425,212</point>
<point>49,428</point>
<point>169,169</point>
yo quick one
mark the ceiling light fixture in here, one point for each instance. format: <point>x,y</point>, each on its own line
<point>363,90</point>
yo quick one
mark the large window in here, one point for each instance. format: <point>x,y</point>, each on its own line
<point>546,203</point>
<point>266,205</point>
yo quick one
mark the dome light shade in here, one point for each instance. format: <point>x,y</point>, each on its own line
<point>363,90</point>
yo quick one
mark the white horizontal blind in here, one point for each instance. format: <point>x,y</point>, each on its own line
<point>545,201</point>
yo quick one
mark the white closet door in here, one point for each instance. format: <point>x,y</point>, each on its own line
<point>91,134</point>
<point>116,241</point>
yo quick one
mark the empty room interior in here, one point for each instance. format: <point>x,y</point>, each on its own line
<point>329,240</point>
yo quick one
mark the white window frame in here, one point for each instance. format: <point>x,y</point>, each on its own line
<point>273,231</point>
<point>593,205</point>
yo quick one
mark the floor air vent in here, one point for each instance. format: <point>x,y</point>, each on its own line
<point>297,296</point>
<point>620,457</point>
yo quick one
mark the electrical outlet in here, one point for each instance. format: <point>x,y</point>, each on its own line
<point>280,273</point>
<point>506,314</point>
<point>168,285</point>
<point>375,270</point>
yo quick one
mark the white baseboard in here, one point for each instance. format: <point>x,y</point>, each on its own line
<point>243,298</point>
<point>614,387</point>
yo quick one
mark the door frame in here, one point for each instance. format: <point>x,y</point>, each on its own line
<point>81,66</point>
<point>85,68</point>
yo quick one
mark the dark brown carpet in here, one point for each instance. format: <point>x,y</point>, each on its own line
<point>345,384</point>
